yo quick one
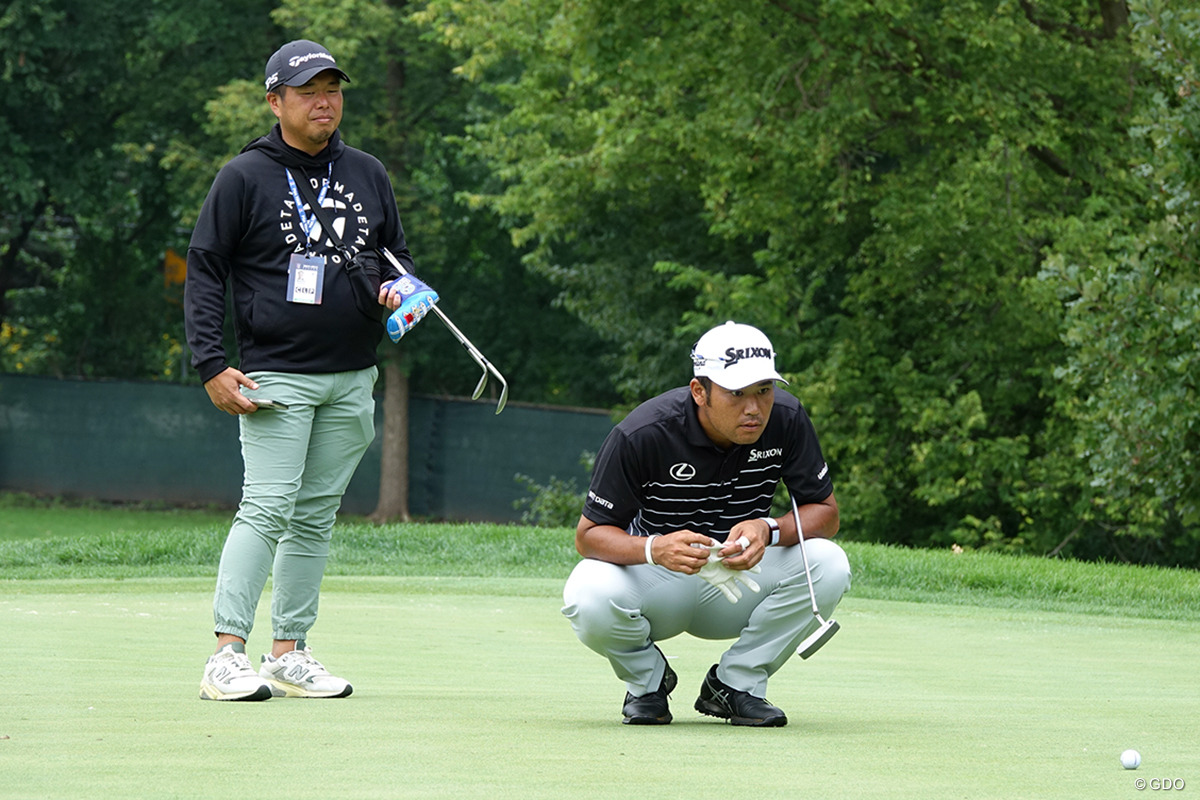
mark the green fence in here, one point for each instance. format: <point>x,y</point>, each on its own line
<point>149,441</point>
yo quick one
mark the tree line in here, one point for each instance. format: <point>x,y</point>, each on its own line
<point>969,227</point>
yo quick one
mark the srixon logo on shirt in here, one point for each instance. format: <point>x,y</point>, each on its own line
<point>735,354</point>
<point>774,452</point>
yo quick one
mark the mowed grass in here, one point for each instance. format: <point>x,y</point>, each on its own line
<point>464,689</point>
<point>954,676</point>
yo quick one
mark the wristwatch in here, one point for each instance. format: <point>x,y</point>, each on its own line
<point>773,526</point>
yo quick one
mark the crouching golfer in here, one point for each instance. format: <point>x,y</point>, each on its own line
<point>676,536</point>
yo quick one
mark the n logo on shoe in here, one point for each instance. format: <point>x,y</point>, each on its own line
<point>297,673</point>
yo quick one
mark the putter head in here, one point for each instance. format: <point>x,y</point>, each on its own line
<point>818,638</point>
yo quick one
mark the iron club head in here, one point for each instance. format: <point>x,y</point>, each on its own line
<point>503,392</point>
<point>463,340</point>
<point>479,387</point>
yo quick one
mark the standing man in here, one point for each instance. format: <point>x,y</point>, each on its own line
<point>676,520</point>
<point>307,336</point>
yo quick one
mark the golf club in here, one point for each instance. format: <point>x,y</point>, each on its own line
<point>472,351</point>
<point>825,632</point>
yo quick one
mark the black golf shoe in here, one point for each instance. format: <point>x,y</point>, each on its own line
<point>651,708</point>
<point>740,708</point>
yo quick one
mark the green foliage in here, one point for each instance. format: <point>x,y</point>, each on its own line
<point>23,350</point>
<point>593,180</point>
<point>898,193</point>
<point>552,505</point>
<point>405,106</point>
<point>555,504</point>
<point>1125,274</point>
<point>102,91</point>
<point>969,227</point>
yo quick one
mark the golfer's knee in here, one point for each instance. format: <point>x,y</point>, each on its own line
<point>587,607</point>
<point>830,570</point>
<point>311,535</point>
<point>266,511</point>
<point>591,607</point>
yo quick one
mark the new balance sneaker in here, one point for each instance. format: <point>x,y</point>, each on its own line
<point>229,676</point>
<point>651,708</point>
<point>740,708</point>
<point>297,674</point>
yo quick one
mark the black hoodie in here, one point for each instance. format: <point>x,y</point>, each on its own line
<point>246,233</point>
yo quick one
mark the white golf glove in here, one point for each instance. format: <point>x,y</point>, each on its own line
<point>725,579</point>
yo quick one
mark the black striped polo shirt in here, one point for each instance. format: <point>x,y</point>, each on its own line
<point>658,472</point>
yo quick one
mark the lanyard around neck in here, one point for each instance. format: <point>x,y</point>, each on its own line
<point>307,222</point>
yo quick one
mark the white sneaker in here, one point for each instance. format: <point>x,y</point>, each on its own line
<point>229,676</point>
<point>297,674</point>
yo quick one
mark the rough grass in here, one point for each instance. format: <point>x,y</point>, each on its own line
<point>122,543</point>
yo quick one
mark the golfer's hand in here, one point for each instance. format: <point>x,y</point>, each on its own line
<point>224,391</point>
<point>681,551</point>
<point>744,547</point>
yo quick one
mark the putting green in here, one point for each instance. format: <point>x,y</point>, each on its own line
<point>468,688</point>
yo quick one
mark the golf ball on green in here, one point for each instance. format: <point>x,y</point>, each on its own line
<point>1131,759</point>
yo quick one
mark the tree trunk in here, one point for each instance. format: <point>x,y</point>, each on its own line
<point>1115,14</point>
<point>393,465</point>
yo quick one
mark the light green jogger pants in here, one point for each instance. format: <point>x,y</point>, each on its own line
<point>298,463</point>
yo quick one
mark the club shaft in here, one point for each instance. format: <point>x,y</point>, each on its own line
<point>812,595</point>
<point>463,340</point>
<point>471,349</point>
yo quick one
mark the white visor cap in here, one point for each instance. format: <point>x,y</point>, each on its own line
<point>735,356</point>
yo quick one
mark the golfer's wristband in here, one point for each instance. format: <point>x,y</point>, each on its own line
<point>649,556</point>
<point>773,526</point>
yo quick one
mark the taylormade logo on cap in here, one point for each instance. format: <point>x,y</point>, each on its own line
<point>735,356</point>
<point>298,62</point>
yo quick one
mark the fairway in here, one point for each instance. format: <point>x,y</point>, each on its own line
<point>477,688</point>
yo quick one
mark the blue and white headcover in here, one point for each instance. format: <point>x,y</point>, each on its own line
<point>418,300</point>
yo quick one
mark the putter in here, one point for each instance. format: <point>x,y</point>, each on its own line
<point>472,351</point>
<point>823,634</point>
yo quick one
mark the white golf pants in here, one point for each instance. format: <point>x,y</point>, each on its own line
<point>621,611</point>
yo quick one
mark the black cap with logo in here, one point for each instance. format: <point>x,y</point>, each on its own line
<point>298,62</point>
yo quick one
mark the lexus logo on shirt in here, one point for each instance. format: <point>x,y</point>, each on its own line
<point>683,472</point>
